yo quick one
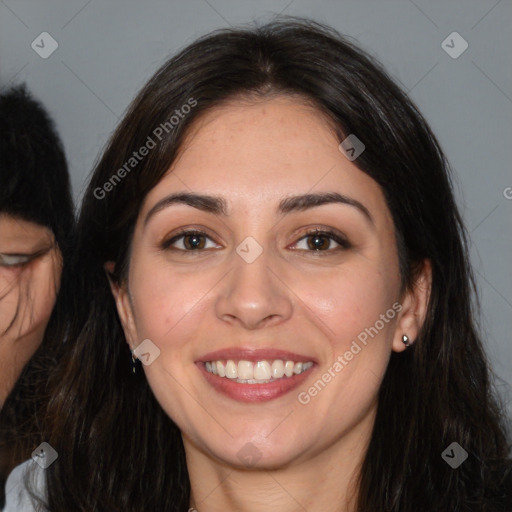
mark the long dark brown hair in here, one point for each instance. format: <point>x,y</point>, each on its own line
<point>119,451</point>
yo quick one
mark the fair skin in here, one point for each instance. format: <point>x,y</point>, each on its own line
<point>30,269</point>
<point>191,302</point>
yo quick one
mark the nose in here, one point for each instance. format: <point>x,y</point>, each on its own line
<point>255,294</point>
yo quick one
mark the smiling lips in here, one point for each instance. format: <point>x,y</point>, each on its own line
<point>254,375</point>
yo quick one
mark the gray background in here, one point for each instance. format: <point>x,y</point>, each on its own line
<point>108,49</point>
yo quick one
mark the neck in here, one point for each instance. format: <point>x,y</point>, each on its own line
<point>325,482</point>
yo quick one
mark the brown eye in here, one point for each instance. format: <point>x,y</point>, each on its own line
<point>194,241</point>
<point>318,241</point>
<point>321,241</point>
<point>188,241</point>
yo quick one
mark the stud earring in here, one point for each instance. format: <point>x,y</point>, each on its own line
<point>405,340</point>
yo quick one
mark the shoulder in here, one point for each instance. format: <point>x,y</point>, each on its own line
<point>24,481</point>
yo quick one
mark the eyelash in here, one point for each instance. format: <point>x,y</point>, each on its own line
<point>332,235</point>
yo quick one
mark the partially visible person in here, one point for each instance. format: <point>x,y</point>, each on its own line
<point>36,224</point>
<point>30,265</point>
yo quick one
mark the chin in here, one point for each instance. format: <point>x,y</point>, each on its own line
<point>257,454</point>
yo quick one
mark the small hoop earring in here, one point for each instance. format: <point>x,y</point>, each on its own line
<point>134,363</point>
<point>405,340</point>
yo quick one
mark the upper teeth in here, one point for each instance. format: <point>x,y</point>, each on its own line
<point>250,372</point>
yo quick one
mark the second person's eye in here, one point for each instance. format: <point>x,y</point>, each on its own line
<point>14,260</point>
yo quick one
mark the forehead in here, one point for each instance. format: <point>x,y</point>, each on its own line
<point>257,152</point>
<point>20,236</point>
<point>19,229</point>
<point>274,131</point>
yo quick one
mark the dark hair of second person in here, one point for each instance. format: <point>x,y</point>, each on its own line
<point>36,226</point>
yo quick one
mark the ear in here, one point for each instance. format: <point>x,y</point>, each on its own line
<point>124,305</point>
<point>414,308</point>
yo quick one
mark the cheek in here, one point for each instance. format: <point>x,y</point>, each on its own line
<point>9,296</point>
<point>363,323</point>
<point>164,302</point>
<point>28,293</point>
<point>44,284</point>
<point>349,301</point>
<point>359,346</point>
<point>169,308</point>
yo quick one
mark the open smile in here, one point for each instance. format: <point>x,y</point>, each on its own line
<point>252,376</point>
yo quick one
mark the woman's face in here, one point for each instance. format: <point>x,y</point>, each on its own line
<point>30,269</point>
<point>258,295</point>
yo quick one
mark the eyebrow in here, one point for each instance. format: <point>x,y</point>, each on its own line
<point>217,205</point>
